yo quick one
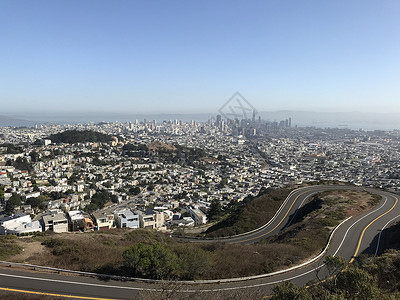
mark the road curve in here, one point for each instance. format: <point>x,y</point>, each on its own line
<point>357,235</point>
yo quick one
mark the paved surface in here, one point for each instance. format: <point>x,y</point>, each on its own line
<point>357,235</point>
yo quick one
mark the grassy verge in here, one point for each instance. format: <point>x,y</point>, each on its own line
<point>104,253</point>
<point>8,246</point>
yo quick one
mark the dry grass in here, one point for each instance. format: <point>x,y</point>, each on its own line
<point>8,247</point>
<point>351,203</point>
<point>102,253</point>
<point>157,146</point>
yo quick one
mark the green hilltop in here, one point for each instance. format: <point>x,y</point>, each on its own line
<point>79,136</point>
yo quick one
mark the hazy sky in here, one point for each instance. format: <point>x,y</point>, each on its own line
<point>191,56</point>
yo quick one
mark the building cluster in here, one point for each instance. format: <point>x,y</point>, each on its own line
<point>58,221</point>
<point>173,170</point>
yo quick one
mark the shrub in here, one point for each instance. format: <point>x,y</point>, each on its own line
<point>155,261</point>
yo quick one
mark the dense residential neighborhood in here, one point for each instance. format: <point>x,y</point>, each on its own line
<point>164,176</point>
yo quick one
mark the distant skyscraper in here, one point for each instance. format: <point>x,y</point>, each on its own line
<point>290,122</point>
<point>235,131</point>
<point>254,116</point>
<point>219,121</point>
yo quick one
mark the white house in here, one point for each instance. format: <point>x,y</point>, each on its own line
<point>22,228</point>
<point>126,218</point>
<point>18,223</point>
<point>198,216</point>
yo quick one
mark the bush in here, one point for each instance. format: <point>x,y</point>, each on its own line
<point>155,261</point>
<point>328,222</point>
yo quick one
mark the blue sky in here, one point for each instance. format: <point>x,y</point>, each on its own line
<point>191,56</point>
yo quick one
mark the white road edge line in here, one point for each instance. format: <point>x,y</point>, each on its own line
<point>160,290</point>
<point>77,283</point>
<point>345,235</point>
<point>380,233</point>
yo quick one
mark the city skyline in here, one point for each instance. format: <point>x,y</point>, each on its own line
<point>179,57</point>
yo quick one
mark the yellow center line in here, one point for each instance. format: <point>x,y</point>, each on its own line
<point>52,295</point>
<point>256,237</point>
<point>358,246</point>
<point>366,227</point>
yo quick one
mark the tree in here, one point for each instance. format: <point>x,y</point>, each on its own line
<point>223,182</point>
<point>335,264</point>
<point>12,203</point>
<point>37,202</point>
<point>91,207</point>
<point>53,182</point>
<point>357,284</point>
<point>101,198</point>
<point>107,184</point>
<point>288,291</point>
<point>215,210</point>
<point>73,178</point>
<point>1,192</point>
<point>11,148</point>
<point>34,202</point>
<point>34,156</point>
<point>79,136</point>
<point>22,164</point>
<point>153,261</point>
<point>114,198</point>
<point>150,187</point>
<point>386,268</point>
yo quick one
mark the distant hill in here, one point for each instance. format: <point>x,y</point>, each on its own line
<point>14,122</point>
<point>79,136</point>
<point>350,120</point>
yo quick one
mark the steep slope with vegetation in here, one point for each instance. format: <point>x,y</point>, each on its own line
<point>249,214</point>
<point>79,136</point>
<point>370,278</point>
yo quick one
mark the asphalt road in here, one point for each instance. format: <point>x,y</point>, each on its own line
<point>357,235</point>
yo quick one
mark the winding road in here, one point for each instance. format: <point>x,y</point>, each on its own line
<point>360,234</point>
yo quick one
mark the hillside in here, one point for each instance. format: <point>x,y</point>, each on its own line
<point>77,136</point>
<point>125,250</point>
<point>250,214</point>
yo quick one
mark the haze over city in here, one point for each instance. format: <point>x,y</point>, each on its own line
<point>179,57</point>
